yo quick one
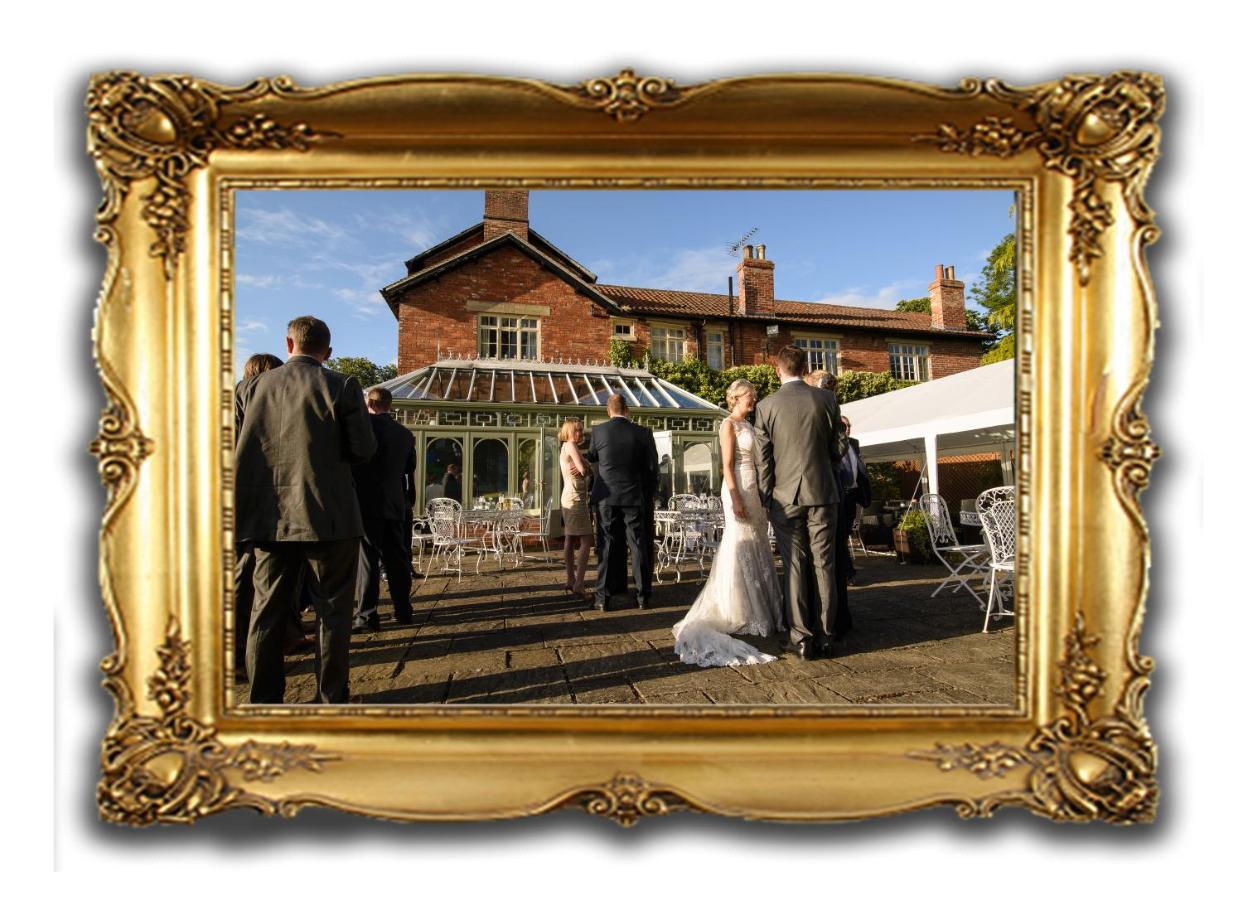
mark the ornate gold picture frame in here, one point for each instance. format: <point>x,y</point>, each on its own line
<point>1078,151</point>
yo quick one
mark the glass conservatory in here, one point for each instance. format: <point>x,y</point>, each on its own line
<point>487,429</point>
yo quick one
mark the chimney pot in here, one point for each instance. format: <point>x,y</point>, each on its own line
<point>940,272</point>
<point>950,270</point>
<point>760,249</point>
<point>749,252</point>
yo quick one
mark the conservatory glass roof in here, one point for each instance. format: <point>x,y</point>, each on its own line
<point>540,383</point>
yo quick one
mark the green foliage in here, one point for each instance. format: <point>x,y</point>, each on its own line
<point>367,372</point>
<point>976,320</point>
<point>619,354</point>
<point>996,291</point>
<point>885,481</point>
<point>856,384</point>
<point>764,378</point>
<point>915,304</point>
<point>916,527</point>
<point>693,374</point>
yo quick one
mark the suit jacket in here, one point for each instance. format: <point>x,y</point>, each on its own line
<point>863,487</point>
<point>300,428</point>
<point>385,483</point>
<point>799,441</point>
<point>625,455</point>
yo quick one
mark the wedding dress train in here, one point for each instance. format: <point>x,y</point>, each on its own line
<point>742,594</point>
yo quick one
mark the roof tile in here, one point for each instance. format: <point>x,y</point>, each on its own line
<point>691,303</point>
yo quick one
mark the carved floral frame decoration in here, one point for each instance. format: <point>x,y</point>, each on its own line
<point>1078,150</point>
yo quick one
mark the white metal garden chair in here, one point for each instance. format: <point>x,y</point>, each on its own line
<point>997,515</point>
<point>856,535</point>
<point>449,543</point>
<point>964,561</point>
<point>545,523</point>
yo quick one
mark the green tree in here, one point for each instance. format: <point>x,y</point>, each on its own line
<point>367,372</point>
<point>997,291</point>
<point>976,320</point>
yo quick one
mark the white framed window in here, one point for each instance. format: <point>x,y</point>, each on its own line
<point>508,337</point>
<point>909,362</point>
<point>623,330</point>
<point>668,343</point>
<point>714,349</point>
<point>822,352</point>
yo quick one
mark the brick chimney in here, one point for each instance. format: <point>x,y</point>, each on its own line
<point>946,295</point>
<point>755,283</point>
<point>505,211</point>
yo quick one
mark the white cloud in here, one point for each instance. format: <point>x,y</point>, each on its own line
<point>418,232</point>
<point>284,227</point>
<point>364,303</point>
<point>703,269</point>
<point>250,326</point>
<point>259,281</point>
<point>886,297</point>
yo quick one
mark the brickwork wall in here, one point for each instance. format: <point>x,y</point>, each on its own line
<point>578,328</point>
<point>505,211</point>
<point>435,313</point>
<point>461,247</point>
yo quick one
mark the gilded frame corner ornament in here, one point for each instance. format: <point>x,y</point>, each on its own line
<point>1078,151</point>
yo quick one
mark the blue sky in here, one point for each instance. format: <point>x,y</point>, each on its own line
<point>327,253</point>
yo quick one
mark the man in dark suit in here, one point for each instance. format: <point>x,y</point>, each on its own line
<point>385,487</point>
<point>626,478</point>
<point>856,491</point>
<point>799,442</point>
<point>300,428</point>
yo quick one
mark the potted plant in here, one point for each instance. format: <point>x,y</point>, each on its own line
<point>910,538</point>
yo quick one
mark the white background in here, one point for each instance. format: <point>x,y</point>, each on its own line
<point>52,497</point>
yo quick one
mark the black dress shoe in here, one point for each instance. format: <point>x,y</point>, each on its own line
<point>806,650</point>
<point>404,620</point>
<point>824,648</point>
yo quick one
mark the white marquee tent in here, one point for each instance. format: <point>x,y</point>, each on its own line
<point>971,412</point>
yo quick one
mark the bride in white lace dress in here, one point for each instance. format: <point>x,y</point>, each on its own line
<point>742,594</point>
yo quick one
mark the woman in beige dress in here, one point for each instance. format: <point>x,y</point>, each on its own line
<point>575,515</point>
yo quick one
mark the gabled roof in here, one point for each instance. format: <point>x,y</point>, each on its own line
<point>654,301</point>
<point>570,276</point>
<point>537,240</point>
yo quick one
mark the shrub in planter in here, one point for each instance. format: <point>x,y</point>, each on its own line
<point>913,532</point>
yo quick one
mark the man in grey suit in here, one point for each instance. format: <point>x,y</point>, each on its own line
<point>799,442</point>
<point>624,453</point>
<point>300,427</point>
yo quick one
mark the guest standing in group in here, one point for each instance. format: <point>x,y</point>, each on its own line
<point>386,491</point>
<point>856,491</point>
<point>300,429</point>
<point>798,442</point>
<point>624,489</point>
<point>244,561</point>
<point>575,515</point>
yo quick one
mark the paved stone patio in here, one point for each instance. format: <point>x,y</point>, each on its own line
<point>513,636</point>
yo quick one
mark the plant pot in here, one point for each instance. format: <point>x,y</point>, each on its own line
<point>903,545</point>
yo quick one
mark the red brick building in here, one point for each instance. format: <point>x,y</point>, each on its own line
<point>501,290</point>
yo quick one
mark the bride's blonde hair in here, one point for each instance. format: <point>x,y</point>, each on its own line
<point>737,390</point>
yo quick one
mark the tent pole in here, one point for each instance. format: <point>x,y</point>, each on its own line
<point>930,464</point>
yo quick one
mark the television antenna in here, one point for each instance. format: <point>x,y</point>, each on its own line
<point>736,247</point>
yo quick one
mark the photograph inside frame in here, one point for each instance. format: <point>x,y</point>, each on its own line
<point>652,447</point>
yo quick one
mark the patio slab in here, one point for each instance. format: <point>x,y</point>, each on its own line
<point>515,636</point>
